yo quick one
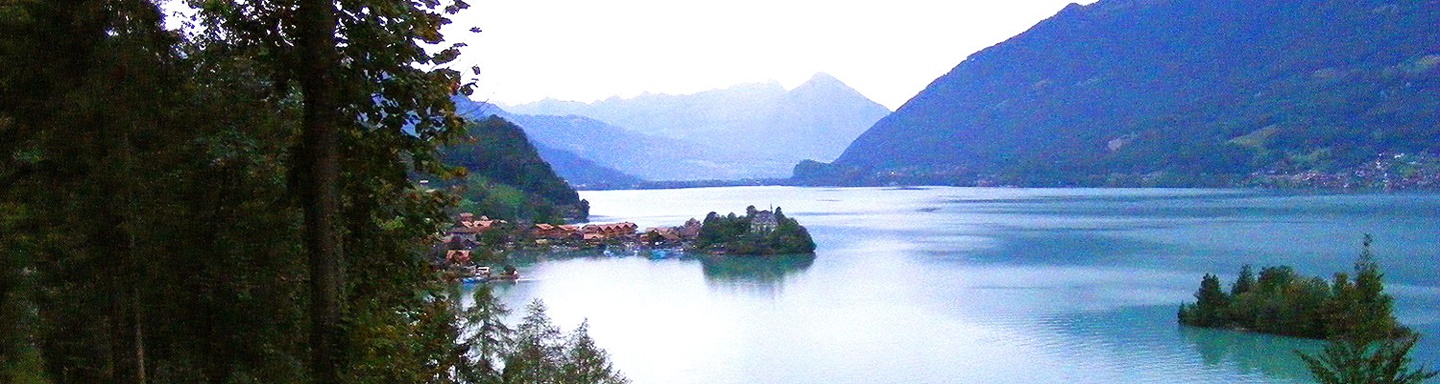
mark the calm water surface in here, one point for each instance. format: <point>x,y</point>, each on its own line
<point>968,285</point>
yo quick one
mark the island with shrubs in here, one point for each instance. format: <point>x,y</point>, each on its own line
<point>1279,301</point>
<point>1365,343</point>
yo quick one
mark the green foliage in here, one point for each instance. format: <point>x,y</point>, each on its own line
<point>543,354</point>
<point>487,339</point>
<point>743,235</point>
<point>152,212</point>
<point>482,196</point>
<point>1357,361</point>
<point>507,179</point>
<point>19,360</point>
<point>1364,302</point>
<point>1281,302</point>
<point>1210,306</point>
<point>586,363</point>
<point>1245,282</point>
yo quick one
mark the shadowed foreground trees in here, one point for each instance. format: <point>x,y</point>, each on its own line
<point>543,354</point>
<point>156,186</point>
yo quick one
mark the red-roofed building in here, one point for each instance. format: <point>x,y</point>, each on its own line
<point>459,256</point>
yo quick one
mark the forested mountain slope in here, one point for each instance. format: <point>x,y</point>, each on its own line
<point>1175,92</point>
<point>645,156</point>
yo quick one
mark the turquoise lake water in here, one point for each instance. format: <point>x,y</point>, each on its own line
<point>975,285</point>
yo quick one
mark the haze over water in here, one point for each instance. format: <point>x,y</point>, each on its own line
<point>946,285</point>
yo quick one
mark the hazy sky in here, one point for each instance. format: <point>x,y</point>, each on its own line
<point>587,50</point>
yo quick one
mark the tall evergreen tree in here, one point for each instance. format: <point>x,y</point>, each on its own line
<point>487,339</point>
<point>1368,344</point>
<point>1372,305</point>
<point>1245,282</point>
<point>1209,308</point>
<point>586,363</point>
<point>538,352</point>
<point>541,353</point>
<point>1355,361</point>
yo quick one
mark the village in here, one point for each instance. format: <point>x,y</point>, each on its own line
<point>470,231</point>
<point>473,243</point>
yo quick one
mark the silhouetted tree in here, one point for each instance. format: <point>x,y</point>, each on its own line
<point>1245,282</point>
<point>1210,305</point>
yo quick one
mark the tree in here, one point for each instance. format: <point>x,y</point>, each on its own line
<point>538,352</point>
<point>375,103</point>
<point>120,139</point>
<point>158,182</point>
<point>488,338</point>
<point>586,363</point>
<point>1210,307</point>
<point>1357,361</point>
<point>1245,282</point>
<point>87,91</point>
<point>1371,305</point>
<point>319,164</point>
<point>1367,344</point>
<point>542,354</point>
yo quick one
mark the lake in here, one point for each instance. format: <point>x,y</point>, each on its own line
<point>947,285</point>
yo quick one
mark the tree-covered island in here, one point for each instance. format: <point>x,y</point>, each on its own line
<point>1366,343</point>
<point>756,233</point>
<point>1280,301</point>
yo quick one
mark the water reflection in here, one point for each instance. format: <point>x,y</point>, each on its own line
<point>763,274</point>
<point>1273,356</point>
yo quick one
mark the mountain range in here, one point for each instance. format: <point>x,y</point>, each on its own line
<point>582,149</point>
<point>1171,92</point>
<point>815,120</point>
<point>584,173</point>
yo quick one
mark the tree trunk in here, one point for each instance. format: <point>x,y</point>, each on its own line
<point>319,163</point>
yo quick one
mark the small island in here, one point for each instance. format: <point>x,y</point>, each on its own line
<point>757,233</point>
<point>1281,302</point>
<point>1365,343</point>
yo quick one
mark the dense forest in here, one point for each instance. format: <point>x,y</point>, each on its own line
<point>644,156</point>
<point>578,171</point>
<point>756,233</point>
<point>232,202</point>
<point>505,177</point>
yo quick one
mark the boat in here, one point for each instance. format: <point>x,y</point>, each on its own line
<point>483,274</point>
<point>666,253</point>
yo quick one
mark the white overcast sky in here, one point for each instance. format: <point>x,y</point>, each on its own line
<point>586,50</point>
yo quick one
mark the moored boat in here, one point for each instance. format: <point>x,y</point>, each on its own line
<point>483,274</point>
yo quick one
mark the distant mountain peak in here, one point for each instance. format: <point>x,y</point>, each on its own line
<point>828,87</point>
<point>823,79</point>
<point>813,121</point>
